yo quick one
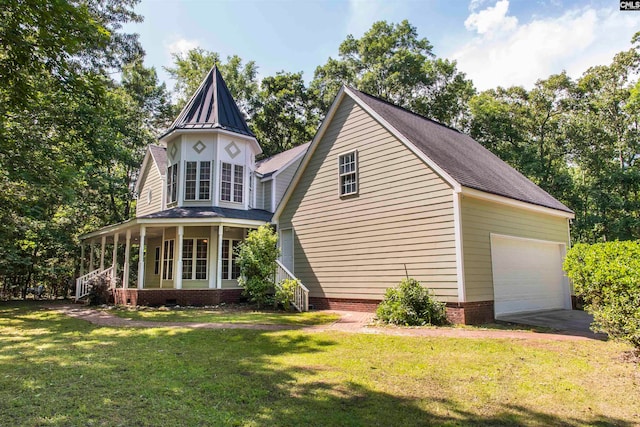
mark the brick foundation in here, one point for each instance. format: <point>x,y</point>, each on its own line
<point>183,297</point>
<point>467,313</point>
<point>470,313</point>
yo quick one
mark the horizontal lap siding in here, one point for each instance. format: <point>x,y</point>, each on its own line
<point>153,182</point>
<point>400,223</point>
<point>480,219</point>
<point>283,179</point>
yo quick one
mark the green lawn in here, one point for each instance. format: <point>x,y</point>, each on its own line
<point>229,314</point>
<point>58,371</point>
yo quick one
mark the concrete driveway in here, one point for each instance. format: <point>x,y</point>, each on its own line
<point>572,322</point>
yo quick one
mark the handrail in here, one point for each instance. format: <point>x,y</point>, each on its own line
<point>85,283</point>
<point>300,292</point>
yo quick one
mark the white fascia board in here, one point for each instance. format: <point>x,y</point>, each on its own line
<point>289,163</point>
<point>437,169</point>
<point>173,222</point>
<point>477,194</point>
<point>254,142</point>
<point>308,154</point>
<point>110,229</point>
<point>142,169</point>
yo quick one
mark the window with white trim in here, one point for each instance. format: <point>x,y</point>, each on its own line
<point>231,183</point>
<point>194,259</point>
<point>197,181</point>
<point>348,173</point>
<point>156,262</point>
<point>167,262</point>
<point>172,184</point>
<point>230,266</point>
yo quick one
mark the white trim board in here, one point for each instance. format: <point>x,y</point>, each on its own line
<point>477,194</point>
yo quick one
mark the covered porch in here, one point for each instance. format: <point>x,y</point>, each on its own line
<point>155,261</point>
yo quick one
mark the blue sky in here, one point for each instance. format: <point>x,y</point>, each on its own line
<point>496,42</point>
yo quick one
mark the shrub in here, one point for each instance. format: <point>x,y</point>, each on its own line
<point>285,292</point>
<point>257,260</point>
<point>607,277</point>
<point>411,304</point>
<point>99,291</point>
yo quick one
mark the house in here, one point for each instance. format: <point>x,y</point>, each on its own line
<point>379,194</point>
<point>200,191</point>
<point>383,193</point>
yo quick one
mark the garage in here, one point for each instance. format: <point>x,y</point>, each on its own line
<point>527,275</point>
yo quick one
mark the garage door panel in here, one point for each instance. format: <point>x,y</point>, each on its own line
<point>527,275</point>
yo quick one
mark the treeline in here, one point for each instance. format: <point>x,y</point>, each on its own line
<point>78,108</point>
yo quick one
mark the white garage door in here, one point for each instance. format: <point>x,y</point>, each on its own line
<point>527,275</point>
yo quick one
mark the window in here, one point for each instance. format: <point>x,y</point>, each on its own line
<point>156,262</point>
<point>197,178</point>
<point>232,183</point>
<point>172,184</point>
<point>149,196</point>
<point>348,172</point>
<point>194,268</point>
<point>167,262</point>
<point>230,267</point>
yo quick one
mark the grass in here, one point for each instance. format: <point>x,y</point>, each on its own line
<point>225,314</point>
<point>58,371</point>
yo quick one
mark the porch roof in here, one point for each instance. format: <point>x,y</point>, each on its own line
<point>211,215</point>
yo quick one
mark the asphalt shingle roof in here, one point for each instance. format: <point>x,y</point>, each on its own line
<point>460,156</point>
<point>210,212</point>
<point>159,155</point>
<point>274,163</point>
<point>211,107</point>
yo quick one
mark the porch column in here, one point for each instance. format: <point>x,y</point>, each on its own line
<point>114,259</point>
<point>212,283</point>
<point>179,266</point>
<point>103,244</point>
<point>82,259</point>
<point>219,275</point>
<point>91,250</point>
<point>143,232</point>
<point>125,269</point>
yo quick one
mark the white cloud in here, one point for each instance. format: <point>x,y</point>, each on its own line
<point>491,19</point>
<point>179,45</point>
<point>506,52</point>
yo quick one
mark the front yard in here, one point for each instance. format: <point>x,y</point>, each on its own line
<point>60,371</point>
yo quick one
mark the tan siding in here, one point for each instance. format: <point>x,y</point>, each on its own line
<point>267,198</point>
<point>358,247</point>
<point>283,179</point>
<point>151,280</point>
<point>152,181</point>
<point>481,218</point>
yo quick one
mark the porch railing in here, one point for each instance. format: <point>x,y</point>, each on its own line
<point>84,283</point>
<point>300,292</point>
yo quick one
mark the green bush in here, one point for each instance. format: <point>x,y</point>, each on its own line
<point>285,292</point>
<point>411,304</point>
<point>607,277</point>
<point>98,291</point>
<point>257,260</point>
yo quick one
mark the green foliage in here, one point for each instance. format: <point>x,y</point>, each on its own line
<point>257,260</point>
<point>390,61</point>
<point>411,304</point>
<point>99,291</point>
<point>607,277</point>
<point>285,292</point>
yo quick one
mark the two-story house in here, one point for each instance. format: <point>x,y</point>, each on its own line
<point>200,191</point>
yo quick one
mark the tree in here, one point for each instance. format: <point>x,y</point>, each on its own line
<point>284,117</point>
<point>192,67</point>
<point>390,61</point>
<point>257,260</point>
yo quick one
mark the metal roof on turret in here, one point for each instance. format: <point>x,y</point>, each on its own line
<point>211,107</point>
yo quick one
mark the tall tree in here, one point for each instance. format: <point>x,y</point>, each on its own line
<point>390,61</point>
<point>190,69</point>
<point>284,117</point>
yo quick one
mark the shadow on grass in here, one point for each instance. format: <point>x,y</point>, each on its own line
<point>59,371</point>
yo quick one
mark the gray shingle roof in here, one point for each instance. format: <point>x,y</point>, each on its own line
<point>460,156</point>
<point>211,107</point>
<point>210,212</point>
<point>274,163</point>
<point>159,155</point>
